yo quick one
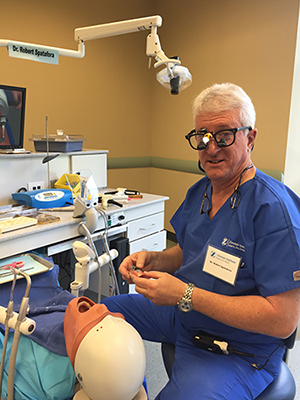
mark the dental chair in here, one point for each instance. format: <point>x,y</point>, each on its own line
<point>282,388</point>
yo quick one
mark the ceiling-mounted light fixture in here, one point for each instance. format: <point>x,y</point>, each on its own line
<point>175,76</point>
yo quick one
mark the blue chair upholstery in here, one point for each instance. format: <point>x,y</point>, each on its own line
<point>282,388</point>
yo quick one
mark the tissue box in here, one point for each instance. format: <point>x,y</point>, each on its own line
<point>58,143</point>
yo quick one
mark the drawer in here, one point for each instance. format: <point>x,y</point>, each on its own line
<point>145,226</point>
<point>155,242</point>
<point>149,205</point>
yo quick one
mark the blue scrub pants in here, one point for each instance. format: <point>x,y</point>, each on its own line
<point>197,374</point>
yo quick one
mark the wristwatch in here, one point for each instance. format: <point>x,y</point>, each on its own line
<point>185,303</point>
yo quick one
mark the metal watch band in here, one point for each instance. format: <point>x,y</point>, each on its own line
<point>188,291</point>
<point>185,303</point>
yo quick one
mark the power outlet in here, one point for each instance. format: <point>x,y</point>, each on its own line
<point>35,185</point>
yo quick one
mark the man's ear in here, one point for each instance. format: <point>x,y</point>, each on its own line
<point>251,139</point>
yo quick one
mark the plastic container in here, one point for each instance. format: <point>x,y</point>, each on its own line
<point>69,181</point>
<point>58,143</point>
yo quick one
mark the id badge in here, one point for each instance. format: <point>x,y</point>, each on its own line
<point>221,265</point>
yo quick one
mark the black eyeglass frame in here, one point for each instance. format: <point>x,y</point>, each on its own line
<point>220,143</point>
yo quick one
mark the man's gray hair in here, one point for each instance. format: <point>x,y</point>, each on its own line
<point>225,97</point>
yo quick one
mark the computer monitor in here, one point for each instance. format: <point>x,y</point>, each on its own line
<point>12,116</point>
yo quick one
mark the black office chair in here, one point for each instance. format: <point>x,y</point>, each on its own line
<point>282,388</point>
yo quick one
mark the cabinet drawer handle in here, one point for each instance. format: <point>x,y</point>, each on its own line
<point>149,227</point>
<point>150,248</point>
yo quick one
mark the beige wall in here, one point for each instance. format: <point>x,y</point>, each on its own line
<point>251,43</point>
<point>106,96</point>
<point>114,100</point>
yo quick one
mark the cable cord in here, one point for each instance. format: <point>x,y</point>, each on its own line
<point>15,344</point>
<point>93,247</point>
<point>12,362</point>
<point>105,219</point>
<point>96,259</point>
<point>111,266</point>
<point>9,314</point>
<point>3,355</point>
<point>90,239</point>
<point>105,242</point>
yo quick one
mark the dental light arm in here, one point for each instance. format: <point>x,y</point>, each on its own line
<point>173,76</point>
<point>80,53</point>
<point>153,48</point>
<point>117,28</point>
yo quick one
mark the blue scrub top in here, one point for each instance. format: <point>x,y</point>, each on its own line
<point>263,231</point>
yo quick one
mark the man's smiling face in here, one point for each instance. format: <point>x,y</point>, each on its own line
<point>225,164</point>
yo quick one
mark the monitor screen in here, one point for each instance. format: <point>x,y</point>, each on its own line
<point>12,115</point>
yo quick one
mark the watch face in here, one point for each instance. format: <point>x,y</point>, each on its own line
<point>185,306</point>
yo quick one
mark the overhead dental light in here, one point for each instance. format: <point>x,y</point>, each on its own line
<point>175,77</point>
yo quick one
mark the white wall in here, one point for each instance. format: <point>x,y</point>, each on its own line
<point>292,160</point>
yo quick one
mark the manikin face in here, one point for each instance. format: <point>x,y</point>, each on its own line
<point>224,165</point>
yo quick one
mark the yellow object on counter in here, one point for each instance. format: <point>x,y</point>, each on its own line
<point>70,182</point>
<point>12,224</point>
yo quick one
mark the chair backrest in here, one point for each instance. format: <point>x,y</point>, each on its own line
<point>289,344</point>
<point>290,341</point>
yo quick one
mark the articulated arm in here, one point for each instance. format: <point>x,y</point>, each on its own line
<point>181,78</point>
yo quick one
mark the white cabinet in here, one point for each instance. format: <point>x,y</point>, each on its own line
<point>145,226</point>
<point>144,220</point>
<point>21,169</point>
<point>140,220</point>
<point>146,229</point>
<point>154,242</point>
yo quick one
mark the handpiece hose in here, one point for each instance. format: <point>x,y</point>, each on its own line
<point>16,339</point>
<point>9,315</point>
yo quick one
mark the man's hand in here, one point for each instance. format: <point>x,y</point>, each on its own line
<point>140,260</point>
<point>167,261</point>
<point>161,288</point>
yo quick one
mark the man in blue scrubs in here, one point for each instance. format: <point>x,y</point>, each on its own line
<point>235,273</point>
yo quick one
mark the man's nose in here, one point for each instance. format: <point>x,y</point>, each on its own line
<point>212,146</point>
